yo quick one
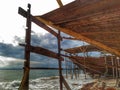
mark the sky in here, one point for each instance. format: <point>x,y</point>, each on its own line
<point>12,24</point>
<point>12,28</point>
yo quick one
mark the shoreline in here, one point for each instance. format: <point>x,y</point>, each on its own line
<point>52,83</point>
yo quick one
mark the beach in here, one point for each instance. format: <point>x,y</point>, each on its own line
<point>40,80</point>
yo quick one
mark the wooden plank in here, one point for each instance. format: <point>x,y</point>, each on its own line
<point>24,79</point>
<point>33,19</point>
<point>66,84</point>
<point>43,51</point>
<point>100,32</point>
<point>86,48</point>
<point>59,61</point>
<point>59,3</point>
<point>86,66</point>
<point>43,68</point>
<point>81,37</point>
<point>80,9</point>
<point>70,38</point>
<point>91,65</point>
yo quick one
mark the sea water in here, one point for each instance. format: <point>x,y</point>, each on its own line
<point>39,80</point>
<point>10,79</point>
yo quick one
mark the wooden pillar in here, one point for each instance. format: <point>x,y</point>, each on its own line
<point>118,67</point>
<point>113,69</point>
<point>60,3</point>
<point>66,66</point>
<point>71,70</point>
<point>85,64</point>
<point>117,71</point>
<point>25,80</point>
<point>59,60</point>
<point>106,66</point>
<point>75,71</point>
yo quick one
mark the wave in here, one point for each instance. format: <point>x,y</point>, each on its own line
<point>45,83</point>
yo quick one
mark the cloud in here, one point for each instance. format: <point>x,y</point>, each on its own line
<point>8,62</point>
<point>47,41</point>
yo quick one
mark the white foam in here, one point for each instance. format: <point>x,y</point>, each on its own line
<point>46,83</point>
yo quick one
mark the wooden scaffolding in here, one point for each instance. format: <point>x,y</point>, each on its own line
<point>96,22</point>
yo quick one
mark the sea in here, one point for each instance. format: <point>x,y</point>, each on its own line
<point>11,76</point>
<point>10,79</point>
<point>39,80</point>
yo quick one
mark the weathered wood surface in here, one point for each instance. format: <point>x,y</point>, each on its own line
<point>93,21</point>
<point>33,19</point>
<point>43,51</point>
<point>82,49</point>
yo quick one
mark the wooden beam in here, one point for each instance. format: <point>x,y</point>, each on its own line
<point>22,84</point>
<point>81,9</point>
<point>81,49</point>
<point>93,61</point>
<point>43,68</point>
<point>66,84</point>
<point>25,80</point>
<point>36,21</point>
<point>79,36</point>
<point>106,32</point>
<point>70,38</point>
<point>94,29</point>
<point>86,66</point>
<point>43,51</point>
<point>59,3</point>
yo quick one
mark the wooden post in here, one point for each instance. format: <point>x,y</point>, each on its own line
<point>66,84</point>
<point>66,66</point>
<point>59,61</point>
<point>85,64</point>
<point>75,71</point>
<point>118,67</point>
<point>113,69</point>
<point>71,71</point>
<point>27,50</point>
<point>117,79</point>
<point>25,80</point>
<point>60,3</point>
<point>106,66</point>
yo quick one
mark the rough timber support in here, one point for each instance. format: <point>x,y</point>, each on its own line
<point>59,61</point>
<point>43,51</point>
<point>25,81</point>
<point>60,3</point>
<point>36,21</point>
<point>39,50</point>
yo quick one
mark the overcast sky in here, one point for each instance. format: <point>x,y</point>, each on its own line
<point>12,24</point>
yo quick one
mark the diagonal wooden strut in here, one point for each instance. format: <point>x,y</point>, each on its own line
<point>66,84</point>
<point>36,21</point>
<point>60,3</point>
<point>80,37</point>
